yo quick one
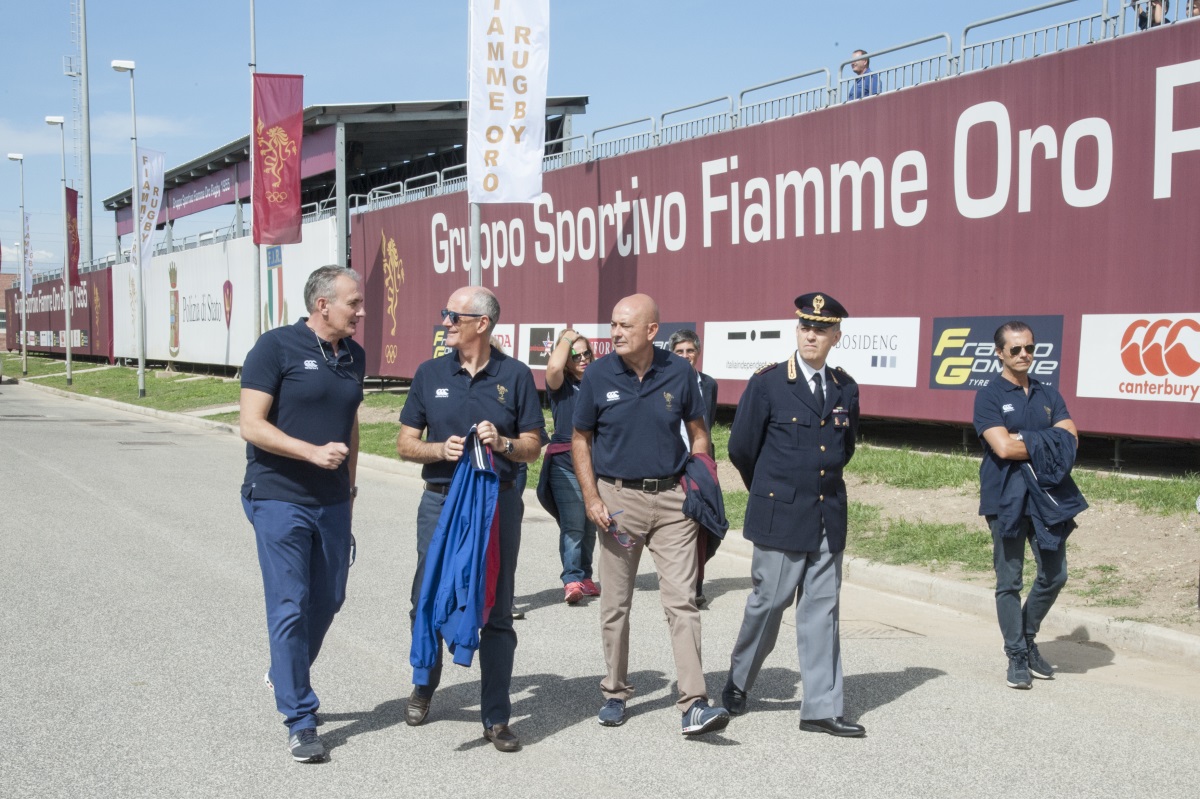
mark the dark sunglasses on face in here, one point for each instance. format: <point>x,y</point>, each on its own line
<point>1014,351</point>
<point>582,356</point>
<point>455,316</point>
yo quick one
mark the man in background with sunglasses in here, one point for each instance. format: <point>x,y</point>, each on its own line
<point>1008,404</point>
<point>474,384</point>
<point>301,388</point>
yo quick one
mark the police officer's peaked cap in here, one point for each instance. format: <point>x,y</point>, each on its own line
<point>818,309</point>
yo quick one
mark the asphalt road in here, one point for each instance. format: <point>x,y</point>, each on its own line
<point>134,644</point>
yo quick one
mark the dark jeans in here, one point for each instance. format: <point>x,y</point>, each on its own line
<point>1019,623</point>
<point>498,640</point>
<point>576,533</point>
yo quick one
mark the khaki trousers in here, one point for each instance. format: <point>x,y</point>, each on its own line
<point>657,523</point>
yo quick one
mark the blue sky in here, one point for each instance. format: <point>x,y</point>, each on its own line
<point>633,58</point>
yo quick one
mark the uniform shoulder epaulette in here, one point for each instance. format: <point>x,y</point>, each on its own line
<point>766,368</point>
<point>840,376</point>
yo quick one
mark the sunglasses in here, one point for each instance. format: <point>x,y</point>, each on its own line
<point>624,539</point>
<point>455,316</point>
<point>1015,351</point>
<point>582,356</point>
<point>338,365</point>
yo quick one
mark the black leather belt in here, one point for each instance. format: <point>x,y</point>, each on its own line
<point>444,489</point>
<point>649,486</point>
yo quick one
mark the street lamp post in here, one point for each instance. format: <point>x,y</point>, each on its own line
<point>20,159</point>
<point>136,247</point>
<point>62,135</point>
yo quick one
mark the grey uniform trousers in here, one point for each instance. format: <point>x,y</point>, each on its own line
<point>813,581</point>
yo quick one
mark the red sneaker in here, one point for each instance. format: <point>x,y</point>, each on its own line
<point>572,593</point>
<point>589,588</point>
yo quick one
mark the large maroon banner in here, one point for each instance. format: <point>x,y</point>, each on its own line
<point>73,235</point>
<point>1062,189</point>
<point>275,141</point>
<point>91,316</point>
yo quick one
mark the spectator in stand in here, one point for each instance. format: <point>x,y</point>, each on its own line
<point>1157,15</point>
<point>686,344</point>
<point>867,82</point>
<point>576,534</point>
<point>1194,9</point>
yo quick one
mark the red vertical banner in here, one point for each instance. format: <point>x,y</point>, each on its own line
<point>278,128</point>
<point>73,235</point>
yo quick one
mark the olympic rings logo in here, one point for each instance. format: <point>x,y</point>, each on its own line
<point>1145,354</point>
<point>390,353</point>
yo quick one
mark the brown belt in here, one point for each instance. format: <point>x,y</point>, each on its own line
<point>648,486</point>
<point>444,488</point>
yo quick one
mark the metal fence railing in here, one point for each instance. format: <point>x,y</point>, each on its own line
<point>1051,38</point>
<point>694,127</point>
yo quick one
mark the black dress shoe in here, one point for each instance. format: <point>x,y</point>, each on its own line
<point>839,727</point>
<point>734,699</point>
<point>417,708</point>
<point>502,738</point>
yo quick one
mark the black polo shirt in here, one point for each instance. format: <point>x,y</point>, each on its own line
<point>1002,403</point>
<point>447,401</point>
<point>315,399</point>
<point>635,424</point>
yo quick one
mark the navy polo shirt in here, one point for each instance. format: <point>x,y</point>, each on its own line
<point>635,424</point>
<point>315,399</point>
<point>562,409</point>
<point>447,401</point>
<point>1002,403</point>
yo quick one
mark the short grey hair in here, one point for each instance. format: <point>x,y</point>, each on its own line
<point>680,336</point>
<point>321,284</point>
<point>484,302</point>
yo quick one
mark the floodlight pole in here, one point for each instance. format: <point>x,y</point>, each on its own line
<point>62,135</point>
<point>20,159</point>
<point>256,291</point>
<point>136,245</point>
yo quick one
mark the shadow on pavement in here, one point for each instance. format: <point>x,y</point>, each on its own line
<point>1076,653</point>
<point>866,692</point>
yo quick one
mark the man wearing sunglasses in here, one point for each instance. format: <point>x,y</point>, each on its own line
<point>474,384</point>
<point>792,436</point>
<point>301,388</point>
<point>628,458</point>
<point>1009,407</point>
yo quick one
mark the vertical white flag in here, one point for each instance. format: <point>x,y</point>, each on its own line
<point>27,257</point>
<point>506,131</point>
<point>150,203</point>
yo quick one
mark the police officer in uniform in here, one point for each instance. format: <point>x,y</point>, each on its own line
<point>793,433</point>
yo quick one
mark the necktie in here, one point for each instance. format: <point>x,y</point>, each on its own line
<point>818,389</point>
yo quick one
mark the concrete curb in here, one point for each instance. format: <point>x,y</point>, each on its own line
<point>1078,625</point>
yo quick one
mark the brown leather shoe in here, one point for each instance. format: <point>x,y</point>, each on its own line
<point>502,738</point>
<point>417,708</point>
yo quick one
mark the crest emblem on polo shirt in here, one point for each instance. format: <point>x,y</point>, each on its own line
<point>669,397</point>
<point>502,394</point>
<point>1049,413</point>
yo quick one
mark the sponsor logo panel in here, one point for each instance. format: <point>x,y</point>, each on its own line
<point>1148,357</point>
<point>964,356</point>
<point>878,351</point>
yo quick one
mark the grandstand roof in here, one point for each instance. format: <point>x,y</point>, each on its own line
<point>385,142</point>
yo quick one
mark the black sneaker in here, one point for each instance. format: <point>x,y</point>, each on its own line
<point>1038,666</point>
<point>1018,671</point>
<point>306,746</point>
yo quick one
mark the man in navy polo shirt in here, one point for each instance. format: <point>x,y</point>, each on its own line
<point>1010,403</point>
<point>301,388</point>
<point>628,457</point>
<point>475,384</point>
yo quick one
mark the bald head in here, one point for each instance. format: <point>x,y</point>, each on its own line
<point>476,299</point>
<point>634,325</point>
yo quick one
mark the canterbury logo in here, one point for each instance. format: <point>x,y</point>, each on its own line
<point>1143,353</point>
<point>613,396</point>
